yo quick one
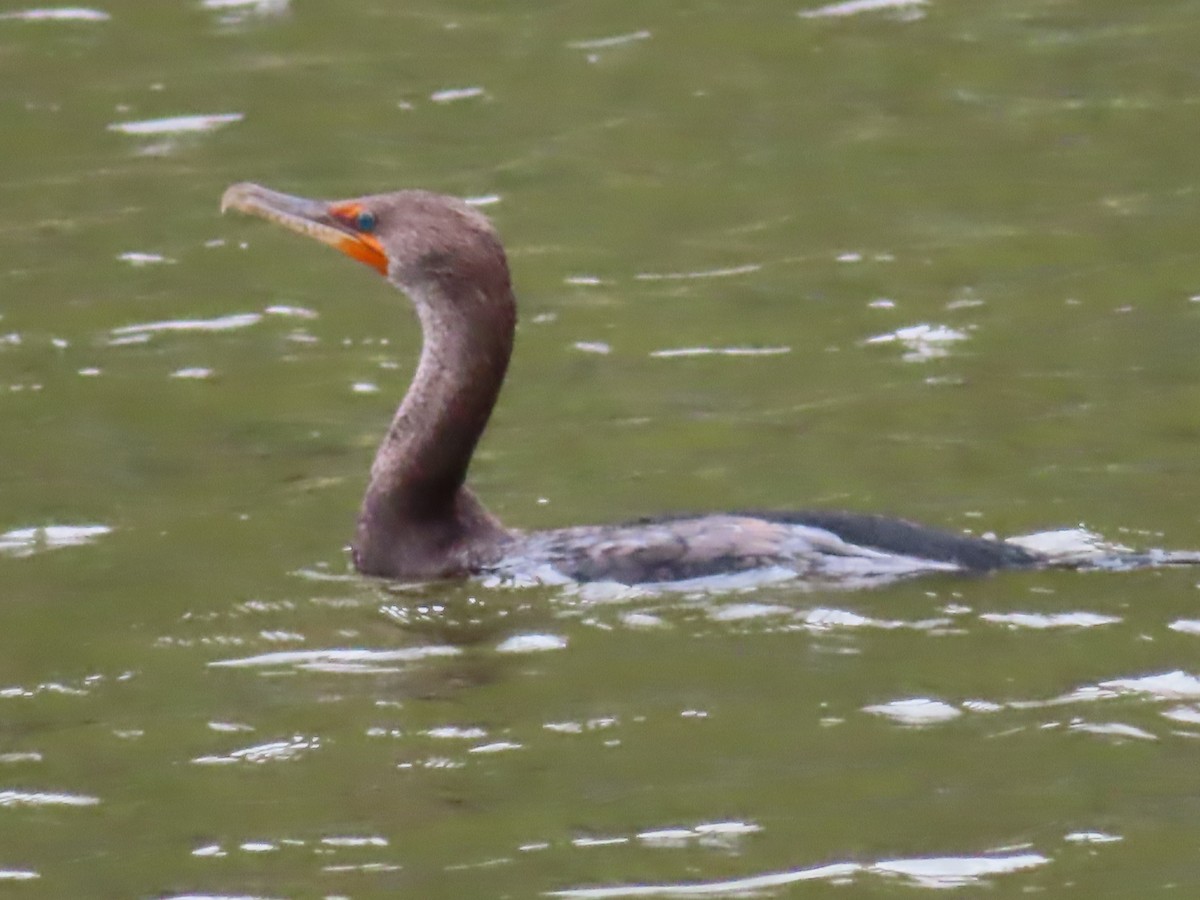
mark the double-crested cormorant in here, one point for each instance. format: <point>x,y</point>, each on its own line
<point>419,520</point>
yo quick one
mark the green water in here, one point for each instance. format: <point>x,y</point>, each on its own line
<point>719,175</point>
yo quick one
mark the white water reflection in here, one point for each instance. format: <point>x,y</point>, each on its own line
<point>482,200</point>
<point>531,643</point>
<point>221,323</point>
<point>597,347</point>
<point>369,841</point>
<point>642,620</point>
<point>58,14</point>
<point>722,835</point>
<point>137,258</point>
<point>922,342</point>
<point>719,351</point>
<point>18,875</point>
<point>233,12</point>
<point>1092,837</point>
<point>1041,621</point>
<point>323,846</point>
<point>453,732</point>
<point>193,124</point>
<point>274,751</point>
<point>599,841</point>
<point>818,620</point>
<point>827,619</point>
<point>604,43</point>
<point>957,871</point>
<point>193,373</point>
<point>56,687</point>
<point>362,867</point>
<point>579,727</point>
<point>1064,544</point>
<point>296,312</point>
<point>908,9</point>
<point>128,340</point>
<point>28,541</point>
<point>302,658</point>
<point>45,798</point>
<point>739,612</point>
<point>931,872</point>
<point>450,95</point>
<point>496,747</point>
<point>1188,715</point>
<point>1177,685</point>
<point>915,711</point>
<point>29,756</point>
<point>726,272</point>
<point>1113,729</point>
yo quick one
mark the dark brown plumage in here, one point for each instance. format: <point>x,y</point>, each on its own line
<point>419,520</point>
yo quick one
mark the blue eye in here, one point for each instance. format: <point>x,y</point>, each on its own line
<point>365,221</point>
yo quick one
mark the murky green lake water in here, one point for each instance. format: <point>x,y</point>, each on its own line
<point>959,235</point>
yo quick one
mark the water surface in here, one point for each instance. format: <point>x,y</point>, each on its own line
<point>936,259</point>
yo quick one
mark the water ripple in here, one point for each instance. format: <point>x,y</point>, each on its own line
<point>957,871</point>
<point>221,323</point>
<point>604,43</point>
<point>274,751</point>
<point>1113,729</point>
<point>298,657</point>
<point>177,124</point>
<point>531,643</point>
<point>909,9</point>
<point>58,14</point>
<point>915,711</point>
<point>29,756</point>
<point>45,798</point>
<point>932,872</point>
<point>719,351</point>
<point>234,12</point>
<point>18,875</point>
<point>450,95</point>
<point>736,886</point>
<point>702,273</point>
<point>1041,621</point>
<point>138,258</point>
<point>1092,837</point>
<point>921,342</point>
<point>27,541</point>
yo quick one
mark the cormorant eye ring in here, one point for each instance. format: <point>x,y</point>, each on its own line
<point>365,221</point>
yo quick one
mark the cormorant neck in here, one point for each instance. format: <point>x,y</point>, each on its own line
<point>418,519</point>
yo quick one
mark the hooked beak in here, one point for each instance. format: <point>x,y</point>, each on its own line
<point>329,223</point>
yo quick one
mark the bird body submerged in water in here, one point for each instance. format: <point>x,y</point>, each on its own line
<point>419,520</point>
